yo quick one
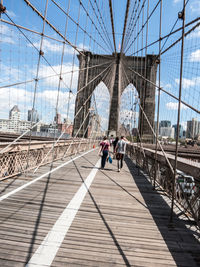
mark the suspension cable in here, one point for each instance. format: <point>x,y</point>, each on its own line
<point>103,24</point>
<point>142,25</point>
<point>53,27</point>
<point>161,88</point>
<point>125,23</point>
<point>77,24</point>
<point>112,23</point>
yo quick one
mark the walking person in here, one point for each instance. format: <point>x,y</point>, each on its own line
<point>120,151</point>
<point>104,151</point>
<point>114,146</point>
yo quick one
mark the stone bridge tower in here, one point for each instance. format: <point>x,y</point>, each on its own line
<point>117,78</point>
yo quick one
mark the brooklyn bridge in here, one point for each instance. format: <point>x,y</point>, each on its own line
<point>73,72</point>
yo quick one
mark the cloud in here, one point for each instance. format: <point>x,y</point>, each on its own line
<point>195,6</point>
<point>5,31</point>
<point>195,33</point>
<point>68,80</point>
<point>45,103</point>
<point>50,98</point>
<point>177,1</point>
<point>195,56</point>
<point>48,46</point>
<point>174,106</point>
<point>11,75</point>
<point>56,47</point>
<point>186,82</point>
<point>104,123</point>
<point>14,96</point>
<point>7,40</point>
<point>11,13</point>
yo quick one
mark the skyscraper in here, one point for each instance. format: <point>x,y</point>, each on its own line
<point>165,124</point>
<point>14,113</point>
<point>33,115</point>
<point>192,128</point>
<point>14,118</point>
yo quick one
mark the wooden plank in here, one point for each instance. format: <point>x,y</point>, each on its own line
<point>121,221</point>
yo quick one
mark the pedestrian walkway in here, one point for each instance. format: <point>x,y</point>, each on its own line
<point>79,215</point>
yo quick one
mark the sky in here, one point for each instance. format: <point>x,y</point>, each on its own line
<point>19,60</point>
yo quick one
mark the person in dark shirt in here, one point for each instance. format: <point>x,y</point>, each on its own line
<point>121,150</point>
<point>114,145</point>
<point>104,151</point>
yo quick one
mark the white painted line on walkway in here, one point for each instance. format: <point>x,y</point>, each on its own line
<point>40,177</point>
<point>47,251</point>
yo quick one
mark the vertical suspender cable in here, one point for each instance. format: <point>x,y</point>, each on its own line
<point>36,79</point>
<point>58,90</point>
<point>112,23</point>
<point>73,61</point>
<point>181,16</point>
<point>158,108</point>
<point>125,23</point>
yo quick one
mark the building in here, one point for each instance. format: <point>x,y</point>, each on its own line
<point>14,124</point>
<point>192,128</point>
<point>57,119</point>
<point>66,128</point>
<point>180,130</point>
<point>4,125</point>
<point>33,115</point>
<point>48,128</point>
<point>164,124</point>
<point>167,132</point>
<point>94,128</point>
<point>14,118</point>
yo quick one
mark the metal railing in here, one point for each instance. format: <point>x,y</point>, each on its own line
<point>187,183</point>
<point>22,157</point>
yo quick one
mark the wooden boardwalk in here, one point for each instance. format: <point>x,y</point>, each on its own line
<point>120,222</point>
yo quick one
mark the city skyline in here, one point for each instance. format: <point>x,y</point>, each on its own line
<point>14,123</point>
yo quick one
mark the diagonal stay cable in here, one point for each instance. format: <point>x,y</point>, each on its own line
<point>41,53</point>
<point>39,33</point>
<point>19,137</point>
<point>159,143</point>
<point>67,14</point>
<point>93,23</point>
<point>178,40</point>
<point>14,141</point>
<point>95,78</point>
<point>36,80</point>
<point>56,141</point>
<point>53,27</point>
<point>154,9</point>
<point>50,76</point>
<point>145,79</point>
<point>169,34</point>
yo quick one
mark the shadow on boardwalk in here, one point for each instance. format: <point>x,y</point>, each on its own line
<point>180,240</point>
